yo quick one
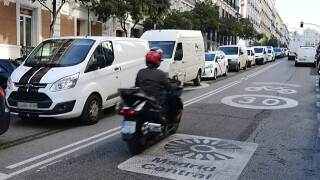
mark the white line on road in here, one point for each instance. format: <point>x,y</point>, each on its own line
<point>264,69</point>
<point>60,149</point>
<point>235,82</point>
<point>59,156</point>
<point>212,93</point>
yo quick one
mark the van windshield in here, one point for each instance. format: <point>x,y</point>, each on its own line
<point>277,50</point>
<point>166,46</point>
<point>229,50</point>
<point>60,52</point>
<point>258,50</point>
<point>210,57</point>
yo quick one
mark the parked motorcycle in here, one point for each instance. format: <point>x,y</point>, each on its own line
<point>144,119</point>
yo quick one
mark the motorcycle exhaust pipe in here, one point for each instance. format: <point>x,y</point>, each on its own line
<point>153,127</point>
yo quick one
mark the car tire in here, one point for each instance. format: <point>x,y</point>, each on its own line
<point>197,80</point>
<point>215,74</point>
<point>226,71</point>
<point>238,68</point>
<point>245,66</point>
<point>91,111</point>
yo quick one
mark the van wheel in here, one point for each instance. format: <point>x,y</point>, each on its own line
<point>92,111</point>
<point>226,72</point>
<point>215,74</point>
<point>245,66</point>
<point>238,68</point>
<point>197,80</point>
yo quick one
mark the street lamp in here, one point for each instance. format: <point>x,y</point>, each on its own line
<point>89,4</point>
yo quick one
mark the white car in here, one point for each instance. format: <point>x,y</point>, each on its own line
<point>237,56</point>
<point>261,54</point>
<point>216,65</point>
<point>271,55</point>
<point>252,59</point>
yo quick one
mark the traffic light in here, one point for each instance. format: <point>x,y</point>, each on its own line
<point>301,24</point>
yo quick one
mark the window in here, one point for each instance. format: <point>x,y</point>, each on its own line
<point>179,52</point>
<point>25,27</point>
<point>108,52</point>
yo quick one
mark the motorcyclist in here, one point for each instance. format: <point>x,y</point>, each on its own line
<point>156,83</point>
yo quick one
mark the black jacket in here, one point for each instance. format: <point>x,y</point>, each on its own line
<point>154,82</point>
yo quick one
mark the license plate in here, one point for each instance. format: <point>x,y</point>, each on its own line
<point>24,105</point>
<point>128,127</point>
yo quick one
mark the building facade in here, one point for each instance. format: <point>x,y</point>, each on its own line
<point>25,24</point>
<point>251,9</point>
<point>266,18</point>
<point>306,36</point>
<point>182,5</point>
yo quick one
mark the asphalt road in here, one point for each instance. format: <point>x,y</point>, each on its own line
<point>261,123</point>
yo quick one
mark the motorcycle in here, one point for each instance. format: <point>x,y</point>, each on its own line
<point>144,119</point>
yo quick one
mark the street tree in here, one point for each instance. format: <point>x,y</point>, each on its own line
<point>249,31</point>
<point>230,27</point>
<point>122,9</point>
<point>181,20</point>
<point>156,11</point>
<point>273,41</point>
<point>264,40</point>
<point>207,15</point>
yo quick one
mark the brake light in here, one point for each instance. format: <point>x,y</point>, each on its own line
<point>126,112</point>
<point>1,93</point>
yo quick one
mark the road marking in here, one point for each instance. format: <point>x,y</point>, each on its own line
<point>318,116</point>
<point>318,104</point>
<point>60,149</point>
<point>318,95</point>
<point>276,83</point>
<point>264,69</point>
<point>199,98</point>
<point>182,156</point>
<point>4,176</point>
<point>60,155</point>
<point>202,85</point>
<point>317,89</point>
<point>256,101</point>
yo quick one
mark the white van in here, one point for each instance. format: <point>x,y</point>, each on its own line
<point>72,77</point>
<point>306,55</point>
<point>237,56</point>
<point>183,52</point>
<point>261,54</point>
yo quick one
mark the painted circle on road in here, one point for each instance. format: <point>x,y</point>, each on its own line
<point>256,101</point>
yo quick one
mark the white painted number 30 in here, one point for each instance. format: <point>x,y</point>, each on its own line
<point>255,101</point>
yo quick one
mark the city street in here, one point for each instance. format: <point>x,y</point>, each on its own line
<point>261,123</point>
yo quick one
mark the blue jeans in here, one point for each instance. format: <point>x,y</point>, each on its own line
<point>172,102</point>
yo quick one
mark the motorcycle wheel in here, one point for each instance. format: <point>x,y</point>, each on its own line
<point>136,145</point>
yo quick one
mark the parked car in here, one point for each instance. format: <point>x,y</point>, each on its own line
<point>183,52</point>
<point>237,56</point>
<point>286,51</point>
<point>6,69</point>
<point>292,56</point>
<point>216,65</point>
<point>306,56</point>
<point>72,77</point>
<point>252,59</point>
<point>271,55</point>
<point>261,54</point>
<point>278,52</point>
<point>4,114</point>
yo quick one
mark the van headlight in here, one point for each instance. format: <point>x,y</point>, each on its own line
<point>65,83</point>
<point>9,83</point>
<point>210,66</point>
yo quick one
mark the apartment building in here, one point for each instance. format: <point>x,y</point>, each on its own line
<point>25,24</point>
<point>251,9</point>
<point>306,36</point>
<point>182,5</point>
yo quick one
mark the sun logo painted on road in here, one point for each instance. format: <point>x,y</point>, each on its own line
<point>200,149</point>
